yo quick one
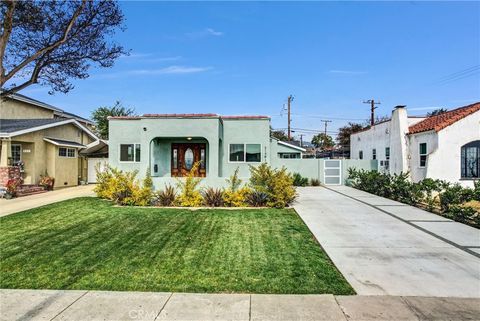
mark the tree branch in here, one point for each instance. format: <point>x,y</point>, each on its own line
<point>7,30</point>
<point>47,49</point>
<point>33,80</point>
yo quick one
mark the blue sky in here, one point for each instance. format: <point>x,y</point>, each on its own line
<point>246,58</point>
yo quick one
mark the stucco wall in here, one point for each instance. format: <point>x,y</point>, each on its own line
<point>255,131</point>
<point>418,173</point>
<point>377,137</point>
<point>12,109</point>
<point>444,163</point>
<point>42,158</point>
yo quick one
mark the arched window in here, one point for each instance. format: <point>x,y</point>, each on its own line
<point>471,160</point>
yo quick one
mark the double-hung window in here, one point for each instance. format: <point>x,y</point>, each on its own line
<point>16,153</point>
<point>250,153</point>
<point>423,154</point>
<point>130,152</point>
<point>360,154</point>
<point>374,154</point>
<point>387,153</point>
<point>66,152</point>
<point>470,160</point>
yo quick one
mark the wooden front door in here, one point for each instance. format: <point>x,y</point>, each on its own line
<point>184,155</point>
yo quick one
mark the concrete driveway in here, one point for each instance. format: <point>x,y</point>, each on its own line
<point>384,247</point>
<point>28,202</point>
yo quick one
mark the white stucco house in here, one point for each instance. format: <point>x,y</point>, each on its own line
<point>445,146</point>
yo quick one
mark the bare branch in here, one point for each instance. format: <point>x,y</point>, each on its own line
<point>7,30</point>
<point>47,49</point>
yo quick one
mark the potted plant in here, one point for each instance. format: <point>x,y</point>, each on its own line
<point>11,186</point>
<point>47,182</point>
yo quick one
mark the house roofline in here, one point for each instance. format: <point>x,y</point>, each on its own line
<point>291,146</point>
<point>51,125</point>
<point>51,140</point>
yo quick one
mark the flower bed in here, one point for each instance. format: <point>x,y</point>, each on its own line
<point>450,200</point>
<point>267,187</point>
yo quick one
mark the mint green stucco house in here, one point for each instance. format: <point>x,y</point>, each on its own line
<point>169,145</point>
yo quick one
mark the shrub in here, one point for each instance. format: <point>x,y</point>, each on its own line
<point>165,197</point>
<point>213,197</point>
<point>235,195</point>
<point>236,198</point>
<point>276,183</point>
<point>465,214</point>
<point>122,187</point>
<point>299,180</point>
<point>315,182</point>
<point>454,195</point>
<point>12,186</point>
<point>46,181</point>
<point>257,199</point>
<point>190,196</point>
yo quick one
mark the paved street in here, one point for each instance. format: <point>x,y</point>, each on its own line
<point>27,202</point>
<point>97,305</point>
<point>383,247</point>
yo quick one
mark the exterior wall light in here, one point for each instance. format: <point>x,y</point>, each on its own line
<point>189,138</point>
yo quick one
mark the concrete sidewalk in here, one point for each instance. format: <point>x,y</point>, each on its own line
<point>28,202</point>
<point>98,305</point>
<point>383,247</point>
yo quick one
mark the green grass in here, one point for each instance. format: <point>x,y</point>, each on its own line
<point>87,243</point>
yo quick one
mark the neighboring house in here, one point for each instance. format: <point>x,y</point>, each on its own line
<point>446,146</point>
<point>42,139</point>
<point>169,144</point>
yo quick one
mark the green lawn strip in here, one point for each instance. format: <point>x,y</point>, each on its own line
<point>87,243</point>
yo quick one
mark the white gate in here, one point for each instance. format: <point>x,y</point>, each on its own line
<point>332,172</point>
<point>92,165</point>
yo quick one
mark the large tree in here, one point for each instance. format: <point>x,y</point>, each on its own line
<point>101,114</point>
<point>343,136</point>
<point>323,141</point>
<point>51,42</point>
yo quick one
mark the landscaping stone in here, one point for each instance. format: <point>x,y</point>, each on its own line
<point>295,307</point>
<point>35,305</point>
<point>452,309</point>
<point>101,305</point>
<point>205,307</point>
<point>373,308</point>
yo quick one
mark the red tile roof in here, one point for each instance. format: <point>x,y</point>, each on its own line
<point>441,121</point>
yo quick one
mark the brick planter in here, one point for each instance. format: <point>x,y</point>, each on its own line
<point>9,172</point>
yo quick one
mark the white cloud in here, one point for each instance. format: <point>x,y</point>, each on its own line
<point>207,32</point>
<point>347,72</point>
<point>170,70</point>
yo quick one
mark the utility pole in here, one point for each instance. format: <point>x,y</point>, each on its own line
<point>372,103</point>
<point>301,140</point>
<point>326,123</point>
<point>290,99</point>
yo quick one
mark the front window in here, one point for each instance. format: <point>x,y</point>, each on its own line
<point>251,153</point>
<point>16,153</point>
<point>374,153</point>
<point>66,152</point>
<point>470,160</point>
<point>129,152</point>
<point>423,154</point>
<point>387,153</point>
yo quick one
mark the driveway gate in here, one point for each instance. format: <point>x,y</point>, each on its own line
<point>332,172</point>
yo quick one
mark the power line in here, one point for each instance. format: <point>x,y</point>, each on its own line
<point>326,123</point>
<point>372,103</point>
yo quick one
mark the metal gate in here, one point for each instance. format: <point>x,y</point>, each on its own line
<point>332,172</point>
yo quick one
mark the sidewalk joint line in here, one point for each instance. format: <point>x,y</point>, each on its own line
<point>458,246</point>
<point>163,306</point>
<point>68,306</point>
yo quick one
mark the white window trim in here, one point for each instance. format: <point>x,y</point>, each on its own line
<point>134,153</point>
<point>244,153</point>
<point>420,155</point>
<point>11,145</point>
<point>66,155</point>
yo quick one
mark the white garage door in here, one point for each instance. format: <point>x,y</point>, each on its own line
<point>92,165</point>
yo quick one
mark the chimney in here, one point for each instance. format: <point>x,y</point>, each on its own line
<point>398,140</point>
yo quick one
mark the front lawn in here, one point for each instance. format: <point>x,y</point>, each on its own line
<point>87,243</point>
